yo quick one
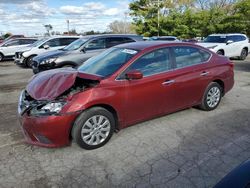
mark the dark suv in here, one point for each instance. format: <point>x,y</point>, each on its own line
<point>79,51</point>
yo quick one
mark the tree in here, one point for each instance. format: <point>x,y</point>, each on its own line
<point>48,28</point>
<point>6,35</point>
<point>190,18</point>
<point>121,27</point>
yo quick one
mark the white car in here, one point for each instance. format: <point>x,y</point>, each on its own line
<point>25,56</point>
<point>10,47</point>
<point>230,45</point>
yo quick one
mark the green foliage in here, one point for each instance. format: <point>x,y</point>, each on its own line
<point>188,19</point>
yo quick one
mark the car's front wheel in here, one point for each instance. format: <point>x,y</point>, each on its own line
<point>29,61</point>
<point>93,128</point>
<point>243,54</point>
<point>212,97</point>
<point>1,56</point>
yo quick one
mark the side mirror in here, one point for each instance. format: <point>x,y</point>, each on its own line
<point>229,42</point>
<point>83,50</point>
<point>134,75</point>
<point>46,46</point>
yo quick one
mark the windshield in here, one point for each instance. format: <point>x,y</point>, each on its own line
<point>216,39</point>
<point>39,42</point>
<point>108,62</point>
<point>75,45</point>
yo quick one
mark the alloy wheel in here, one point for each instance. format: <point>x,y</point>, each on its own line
<point>95,130</point>
<point>213,97</point>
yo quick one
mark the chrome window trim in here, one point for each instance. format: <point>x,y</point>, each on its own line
<point>173,69</point>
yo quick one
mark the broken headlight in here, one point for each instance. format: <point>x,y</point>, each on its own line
<point>51,108</point>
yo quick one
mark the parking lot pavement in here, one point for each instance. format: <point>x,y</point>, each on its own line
<point>190,148</point>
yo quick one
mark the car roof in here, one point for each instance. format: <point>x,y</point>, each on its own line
<point>226,34</point>
<point>110,35</point>
<point>142,45</point>
<point>60,36</point>
<point>29,38</point>
<point>164,37</point>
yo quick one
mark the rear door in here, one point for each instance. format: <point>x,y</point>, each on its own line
<point>192,75</point>
<point>113,41</point>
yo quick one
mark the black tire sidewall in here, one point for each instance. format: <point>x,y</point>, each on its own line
<point>1,57</point>
<point>28,61</point>
<point>219,52</point>
<point>243,57</point>
<point>204,105</point>
<point>82,118</point>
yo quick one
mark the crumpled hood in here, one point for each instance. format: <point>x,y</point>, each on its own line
<point>48,55</point>
<point>50,84</point>
<point>209,44</point>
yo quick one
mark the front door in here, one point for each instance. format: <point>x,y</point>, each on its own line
<point>153,94</point>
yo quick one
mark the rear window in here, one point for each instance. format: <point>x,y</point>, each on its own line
<point>188,56</point>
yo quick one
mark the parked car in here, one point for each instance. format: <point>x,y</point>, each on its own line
<point>190,40</point>
<point>165,38</point>
<point>230,45</point>
<point>13,37</point>
<point>238,177</point>
<point>79,51</point>
<point>9,47</point>
<point>1,40</point>
<point>122,86</point>
<point>24,56</point>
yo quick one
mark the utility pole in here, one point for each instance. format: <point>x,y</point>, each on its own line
<point>125,22</point>
<point>68,26</point>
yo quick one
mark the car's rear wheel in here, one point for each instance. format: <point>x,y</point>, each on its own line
<point>212,97</point>
<point>93,128</point>
<point>243,54</point>
<point>1,56</point>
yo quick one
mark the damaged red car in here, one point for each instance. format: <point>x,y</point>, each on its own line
<point>122,86</point>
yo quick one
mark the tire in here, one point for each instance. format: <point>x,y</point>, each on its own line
<point>243,54</point>
<point>220,52</point>
<point>1,57</point>
<point>92,131</point>
<point>212,103</point>
<point>29,61</point>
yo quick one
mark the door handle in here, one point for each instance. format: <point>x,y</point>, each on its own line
<point>168,82</point>
<point>204,73</point>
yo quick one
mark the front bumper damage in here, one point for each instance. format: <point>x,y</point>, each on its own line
<point>46,131</point>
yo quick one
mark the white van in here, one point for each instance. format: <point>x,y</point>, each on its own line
<point>24,57</point>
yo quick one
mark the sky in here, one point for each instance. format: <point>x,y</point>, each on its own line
<point>28,17</point>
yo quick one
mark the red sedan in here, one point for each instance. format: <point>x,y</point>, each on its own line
<point>122,86</point>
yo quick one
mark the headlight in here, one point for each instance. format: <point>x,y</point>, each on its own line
<point>51,108</point>
<point>48,61</point>
<point>211,47</point>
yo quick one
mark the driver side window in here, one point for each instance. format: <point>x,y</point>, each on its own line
<point>96,44</point>
<point>152,63</point>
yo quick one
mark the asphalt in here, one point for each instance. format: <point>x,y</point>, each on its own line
<point>190,148</point>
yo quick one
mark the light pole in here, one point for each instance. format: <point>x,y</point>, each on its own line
<point>68,26</point>
<point>125,22</point>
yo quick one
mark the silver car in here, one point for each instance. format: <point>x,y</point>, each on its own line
<point>79,51</point>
